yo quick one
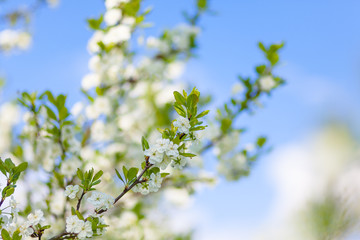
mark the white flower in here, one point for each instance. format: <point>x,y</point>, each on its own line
<point>164,164</point>
<point>117,34</point>
<point>174,70</point>
<point>172,150</point>
<point>232,168</point>
<point>162,144</point>
<point>182,124</point>
<point>250,147</point>
<point>69,166</point>
<point>179,162</point>
<point>13,205</point>
<point>112,16</point>
<point>73,224</point>
<point>128,21</point>
<point>197,136</point>
<point>77,108</point>
<point>237,88</point>
<point>101,131</point>
<point>90,80</point>
<point>267,83</point>
<point>154,155</point>
<point>25,229</point>
<point>102,105</point>
<point>93,45</point>
<point>95,63</point>
<point>142,188</point>
<point>181,35</point>
<point>71,191</point>
<point>130,72</point>
<point>85,230</point>
<point>35,218</point>
<point>24,40</point>
<point>57,202</point>
<point>101,200</point>
<point>161,45</point>
<point>155,182</point>
<point>10,39</point>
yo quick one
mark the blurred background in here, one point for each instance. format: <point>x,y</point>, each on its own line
<point>309,185</point>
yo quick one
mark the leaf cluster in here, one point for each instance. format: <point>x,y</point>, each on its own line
<point>89,179</point>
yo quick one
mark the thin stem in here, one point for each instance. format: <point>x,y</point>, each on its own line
<point>138,180</point>
<point>80,199</point>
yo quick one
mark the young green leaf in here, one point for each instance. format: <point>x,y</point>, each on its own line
<point>132,173</point>
<point>179,98</point>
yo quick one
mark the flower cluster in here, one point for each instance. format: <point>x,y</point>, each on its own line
<point>101,201</point>
<point>33,223</point>
<point>267,83</point>
<point>153,185</point>
<point>126,96</point>
<point>81,228</point>
<point>71,191</point>
<point>13,39</point>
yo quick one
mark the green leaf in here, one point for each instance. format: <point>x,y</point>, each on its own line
<point>180,110</point>
<point>154,170</point>
<point>50,97</point>
<point>98,175</point>
<point>185,94</point>
<point>202,4</point>
<point>9,165</point>
<point>119,175</point>
<point>131,8</point>
<point>63,113</point>
<point>191,104</point>
<point>273,58</point>
<point>95,23</point>
<point>261,69</point>
<point>179,98</point>
<point>188,155</point>
<point>198,128</point>
<point>144,143</point>
<point>261,141</point>
<point>9,192</point>
<point>73,211</point>
<point>204,113</point>
<point>2,167</point>
<point>164,174</point>
<point>16,235</point>
<point>95,183</point>
<point>125,171</point>
<point>5,235</point>
<point>262,47</point>
<point>132,173</point>
<point>60,102</point>
<point>50,113</point>
<point>80,174</point>
<point>225,124</point>
<point>196,92</point>
<point>21,167</point>
<point>79,215</point>
<point>45,227</point>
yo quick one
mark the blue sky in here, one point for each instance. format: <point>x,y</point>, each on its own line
<point>320,62</point>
